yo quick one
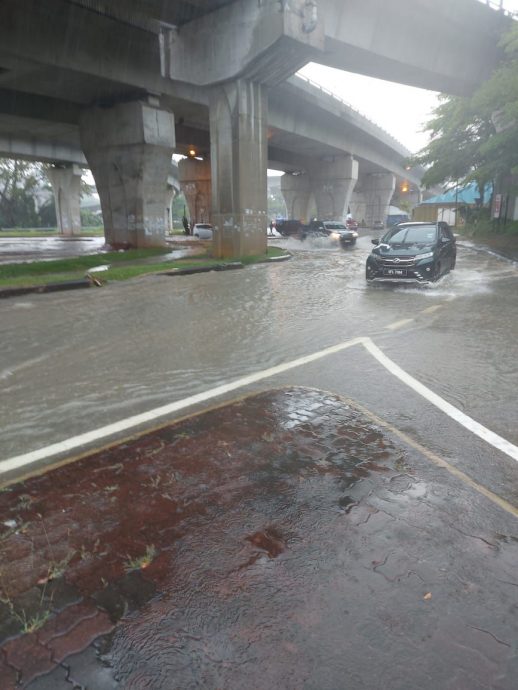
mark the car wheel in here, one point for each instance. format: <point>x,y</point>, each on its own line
<point>437,273</point>
<point>454,261</point>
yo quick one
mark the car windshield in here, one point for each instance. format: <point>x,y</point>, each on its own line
<point>411,234</point>
<point>204,226</point>
<point>335,226</point>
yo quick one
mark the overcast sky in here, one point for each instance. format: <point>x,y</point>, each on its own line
<point>373,98</point>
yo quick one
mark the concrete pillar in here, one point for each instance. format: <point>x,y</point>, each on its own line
<point>129,148</point>
<point>239,153</point>
<point>333,183</point>
<point>296,190</point>
<point>196,185</point>
<point>378,190</point>
<point>66,185</point>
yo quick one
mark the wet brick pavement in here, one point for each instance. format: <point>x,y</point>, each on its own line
<point>282,541</point>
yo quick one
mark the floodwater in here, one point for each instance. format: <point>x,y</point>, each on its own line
<point>77,361</point>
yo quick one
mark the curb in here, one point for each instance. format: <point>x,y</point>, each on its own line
<point>90,282</point>
<point>49,287</point>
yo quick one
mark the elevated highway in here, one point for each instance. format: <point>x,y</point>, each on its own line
<point>125,86</point>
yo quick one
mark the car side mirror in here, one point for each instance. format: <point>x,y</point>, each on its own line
<point>376,241</point>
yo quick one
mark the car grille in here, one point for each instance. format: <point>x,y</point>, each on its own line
<point>402,262</point>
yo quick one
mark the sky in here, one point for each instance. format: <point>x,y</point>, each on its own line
<point>371,96</point>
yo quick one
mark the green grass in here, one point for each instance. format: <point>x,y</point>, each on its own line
<point>130,264</point>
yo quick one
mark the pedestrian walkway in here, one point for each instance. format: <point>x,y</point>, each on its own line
<point>285,540</point>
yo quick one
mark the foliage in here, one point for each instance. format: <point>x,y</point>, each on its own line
<point>18,182</point>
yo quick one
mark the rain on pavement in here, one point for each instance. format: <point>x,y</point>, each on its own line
<point>299,546</point>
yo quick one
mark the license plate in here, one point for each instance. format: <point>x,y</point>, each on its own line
<point>399,272</point>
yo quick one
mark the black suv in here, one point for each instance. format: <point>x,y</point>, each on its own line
<point>412,253</point>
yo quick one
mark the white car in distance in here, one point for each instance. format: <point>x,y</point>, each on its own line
<point>202,231</point>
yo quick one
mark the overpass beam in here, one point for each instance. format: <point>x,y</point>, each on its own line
<point>296,190</point>
<point>333,183</point>
<point>129,147</point>
<point>66,185</point>
<point>196,184</point>
<point>239,154</point>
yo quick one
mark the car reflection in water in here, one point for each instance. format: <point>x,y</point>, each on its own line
<point>412,253</point>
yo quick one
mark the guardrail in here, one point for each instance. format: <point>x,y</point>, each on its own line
<point>498,5</point>
<point>346,103</point>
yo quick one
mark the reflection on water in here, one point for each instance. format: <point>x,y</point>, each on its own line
<point>135,345</point>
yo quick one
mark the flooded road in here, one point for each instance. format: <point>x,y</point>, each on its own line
<point>20,249</point>
<point>73,362</point>
<point>328,533</point>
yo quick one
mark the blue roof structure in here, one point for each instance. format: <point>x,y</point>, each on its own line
<point>462,195</point>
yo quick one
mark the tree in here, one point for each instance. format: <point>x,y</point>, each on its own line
<point>456,153</point>
<point>18,182</point>
<point>476,138</point>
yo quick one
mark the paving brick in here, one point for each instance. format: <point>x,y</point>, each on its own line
<point>29,657</point>
<point>8,675</point>
<point>80,637</point>
<point>66,620</point>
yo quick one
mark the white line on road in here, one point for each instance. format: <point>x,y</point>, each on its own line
<point>398,324</point>
<point>430,310</point>
<point>131,422</point>
<point>467,422</point>
<point>75,442</point>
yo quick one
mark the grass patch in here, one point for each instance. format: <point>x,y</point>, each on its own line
<point>124,266</point>
<point>141,562</point>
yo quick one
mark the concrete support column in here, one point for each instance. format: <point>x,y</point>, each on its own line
<point>238,118</point>
<point>296,190</point>
<point>66,185</point>
<point>196,184</point>
<point>129,148</point>
<point>333,183</point>
<point>378,190</point>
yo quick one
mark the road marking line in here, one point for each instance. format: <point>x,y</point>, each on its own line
<point>398,324</point>
<point>467,422</point>
<point>75,442</point>
<point>430,310</point>
<point>437,460</point>
<point>103,432</point>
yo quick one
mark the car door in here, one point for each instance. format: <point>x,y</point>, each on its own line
<point>446,251</point>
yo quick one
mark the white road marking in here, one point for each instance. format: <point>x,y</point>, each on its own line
<point>75,442</point>
<point>467,422</point>
<point>124,424</point>
<point>430,310</point>
<point>398,324</point>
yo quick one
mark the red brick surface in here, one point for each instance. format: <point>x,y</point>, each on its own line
<point>66,620</point>
<point>28,656</point>
<point>80,636</point>
<point>7,675</point>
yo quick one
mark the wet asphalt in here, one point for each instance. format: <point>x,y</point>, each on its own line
<point>402,578</point>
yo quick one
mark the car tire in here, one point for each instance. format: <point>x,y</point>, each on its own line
<point>437,273</point>
<point>453,263</point>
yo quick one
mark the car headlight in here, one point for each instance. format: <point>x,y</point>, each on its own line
<point>426,255</point>
<point>355,234</point>
<point>335,235</point>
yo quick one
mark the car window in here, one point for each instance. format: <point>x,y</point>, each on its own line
<point>335,226</point>
<point>417,234</point>
<point>205,226</point>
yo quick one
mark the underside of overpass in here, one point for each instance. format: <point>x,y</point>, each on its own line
<point>123,86</point>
